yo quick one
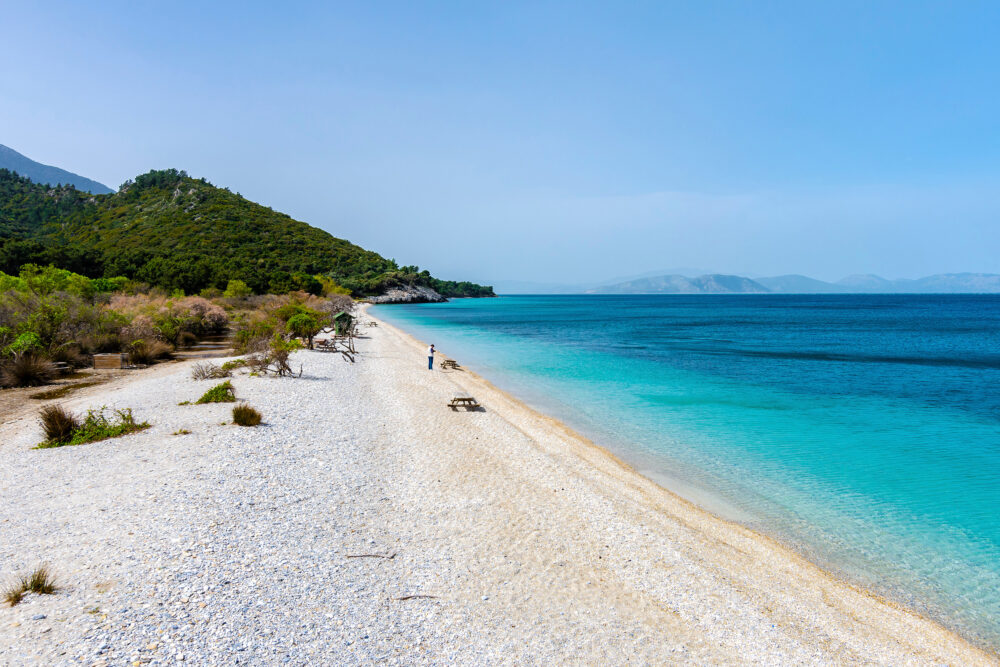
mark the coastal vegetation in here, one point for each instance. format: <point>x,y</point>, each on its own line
<point>63,428</point>
<point>244,415</point>
<point>220,393</point>
<point>53,320</point>
<point>175,232</point>
<point>40,582</point>
<point>208,371</point>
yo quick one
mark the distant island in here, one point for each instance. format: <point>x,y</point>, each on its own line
<point>170,230</point>
<point>48,175</point>
<point>719,283</point>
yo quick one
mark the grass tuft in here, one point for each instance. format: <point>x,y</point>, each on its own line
<point>27,370</point>
<point>244,415</point>
<point>96,426</point>
<point>181,431</point>
<point>58,423</point>
<point>220,393</point>
<point>206,371</point>
<point>13,596</point>
<point>40,581</point>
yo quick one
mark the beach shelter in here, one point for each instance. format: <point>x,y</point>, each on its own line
<point>342,323</point>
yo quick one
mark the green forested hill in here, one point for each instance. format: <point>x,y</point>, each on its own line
<point>171,230</point>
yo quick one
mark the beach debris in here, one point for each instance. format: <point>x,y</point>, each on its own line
<point>387,557</point>
<point>414,597</point>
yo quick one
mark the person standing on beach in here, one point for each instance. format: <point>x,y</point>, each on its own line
<point>430,357</point>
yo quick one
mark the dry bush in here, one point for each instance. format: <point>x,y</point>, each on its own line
<point>204,370</point>
<point>102,342</point>
<point>244,415</point>
<point>145,352</point>
<point>258,363</point>
<point>69,354</point>
<point>58,423</point>
<point>28,369</point>
<point>186,339</point>
<point>140,328</point>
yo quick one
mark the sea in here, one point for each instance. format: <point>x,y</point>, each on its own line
<point>861,430</point>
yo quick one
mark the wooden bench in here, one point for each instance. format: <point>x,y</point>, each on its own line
<point>467,402</point>
<point>116,361</point>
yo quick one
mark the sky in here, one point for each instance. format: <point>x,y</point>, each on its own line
<point>554,142</point>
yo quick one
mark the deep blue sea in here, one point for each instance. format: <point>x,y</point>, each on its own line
<point>864,430</point>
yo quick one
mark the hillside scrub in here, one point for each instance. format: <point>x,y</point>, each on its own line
<point>180,233</point>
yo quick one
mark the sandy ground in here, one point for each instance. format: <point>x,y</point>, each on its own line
<point>366,522</point>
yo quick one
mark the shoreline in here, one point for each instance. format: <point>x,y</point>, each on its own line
<point>365,522</point>
<point>724,516</point>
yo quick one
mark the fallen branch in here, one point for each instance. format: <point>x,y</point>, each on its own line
<point>411,597</point>
<point>389,557</point>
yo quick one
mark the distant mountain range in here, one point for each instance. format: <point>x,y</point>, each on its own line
<point>718,283</point>
<point>46,175</point>
<point>713,283</point>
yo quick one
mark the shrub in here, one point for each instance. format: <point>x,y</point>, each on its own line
<point>275,360</point>
<point>40,581</point>
<point>233,364</point>
<point>96,426</point>
<point>29,369</point>
<point>237,289</point>
<point>220,393</point>
<point>69,354</point>
<point>244,415</point>
<point>145,352</point>
<point>106,342</point>
<point>24,343</point>
<point>58,423</point>
<point>186,339</point>
<point>253,335</point>
<point>206,371</point>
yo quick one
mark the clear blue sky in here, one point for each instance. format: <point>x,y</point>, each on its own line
<point>546,141</point>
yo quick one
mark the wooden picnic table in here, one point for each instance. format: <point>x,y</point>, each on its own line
<point>449,363</point>
<point>467,402</point>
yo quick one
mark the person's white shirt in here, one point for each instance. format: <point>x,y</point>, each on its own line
<point>430,351</point>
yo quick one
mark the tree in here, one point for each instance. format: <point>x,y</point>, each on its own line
<point>304,325</point>
<point>237,289</point>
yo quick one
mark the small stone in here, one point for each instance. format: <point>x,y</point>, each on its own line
<point>38,617</point>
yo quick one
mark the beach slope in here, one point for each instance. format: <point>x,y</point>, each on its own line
<point>366,521</point>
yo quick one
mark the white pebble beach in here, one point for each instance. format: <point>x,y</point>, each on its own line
<point>366,522</point>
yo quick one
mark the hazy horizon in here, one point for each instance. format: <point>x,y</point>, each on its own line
<point>553,143</point>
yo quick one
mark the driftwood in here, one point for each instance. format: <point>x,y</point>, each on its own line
<point>389,557</point>
<point>412,597</point>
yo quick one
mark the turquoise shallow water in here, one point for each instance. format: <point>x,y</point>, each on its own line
<point>862,429</point>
